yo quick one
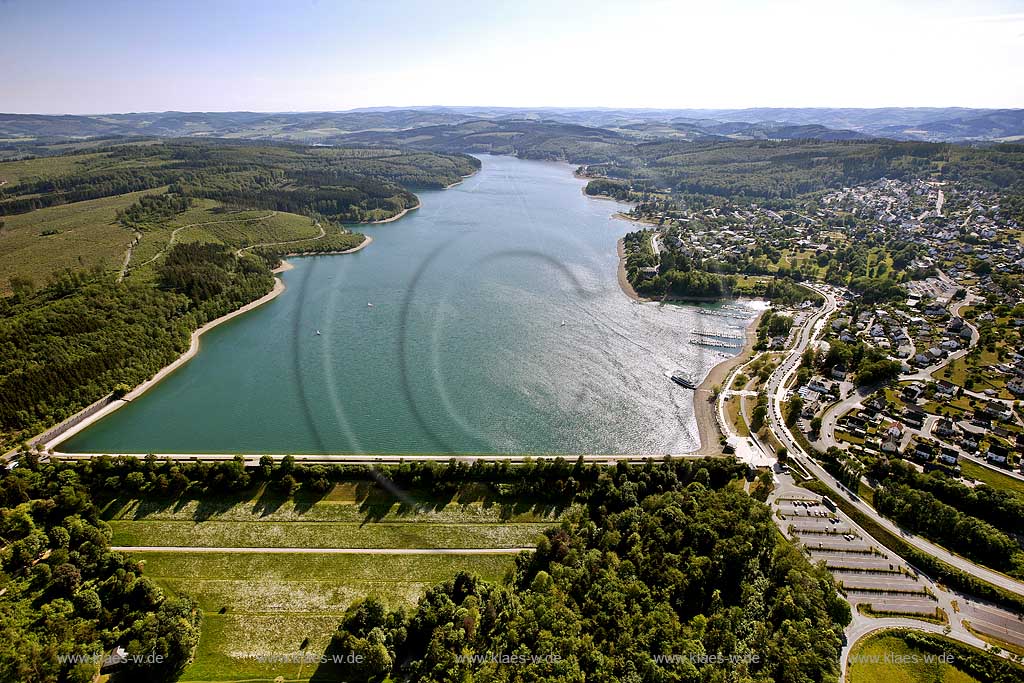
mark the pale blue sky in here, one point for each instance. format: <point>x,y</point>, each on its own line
<point>102,56</point>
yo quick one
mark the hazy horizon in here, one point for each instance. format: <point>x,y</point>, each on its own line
<point>413,107</point>
<point>115,56</point>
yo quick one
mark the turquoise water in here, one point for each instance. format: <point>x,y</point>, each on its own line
<point>463,350</point>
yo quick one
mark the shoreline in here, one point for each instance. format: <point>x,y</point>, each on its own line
<point>703,409</point>
<point>624,284</point>
<point>704,405</point>
<point>287,266</point>
<point>193,348</point>
<point>164,372</point>
<point>460,181</point>
<point>626,217</point>
<point>396,216</point>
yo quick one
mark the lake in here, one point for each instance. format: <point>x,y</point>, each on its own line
<point>497,325</point>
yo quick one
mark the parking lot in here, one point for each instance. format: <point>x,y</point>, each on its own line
<point>871,582</point>
<point>869,575</point>
<point>904,606</point>
<point>856,562</point>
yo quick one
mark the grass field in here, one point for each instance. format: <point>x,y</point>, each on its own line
<point>411,534</point>
<point>732,410</point>
<point>208,221</point>
<point>85,234</point>
<point>990,477</point>
<point>259,605</point>
<point>905,664</point>
<point>88,233</point>
<point>49,167</point>
<point>267,605</point>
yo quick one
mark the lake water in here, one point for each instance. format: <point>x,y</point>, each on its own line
<point>463,350</point>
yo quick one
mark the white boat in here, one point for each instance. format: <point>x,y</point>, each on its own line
<point>318,333</point>
<point>369,304</point>
<point>563,323</point>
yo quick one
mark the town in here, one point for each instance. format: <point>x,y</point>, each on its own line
<point>887,401</point>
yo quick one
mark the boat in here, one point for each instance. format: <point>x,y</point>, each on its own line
<point>563,323</point>
<point>318,333</point>
<point>369,304</point>
<point>683,381</point>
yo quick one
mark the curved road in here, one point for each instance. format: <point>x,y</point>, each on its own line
<point>776,392</point>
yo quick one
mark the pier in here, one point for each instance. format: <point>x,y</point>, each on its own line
<point>717,336</point>
<point>700,341</point>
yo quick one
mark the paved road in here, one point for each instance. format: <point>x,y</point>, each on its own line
<point>324,551</point>
<point>776,387</point>
<point>827,436</point>
<point>925,374</point>
<point>776,392</point>
<point>863,626</point>
<point>963,564</point>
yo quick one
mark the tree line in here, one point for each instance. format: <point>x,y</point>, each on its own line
<point>68,600</point>
<point>922,512</point>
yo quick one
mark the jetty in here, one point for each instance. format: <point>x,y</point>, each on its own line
<point>718,336</point>
<point>725,314</point>
<point>700,341</point>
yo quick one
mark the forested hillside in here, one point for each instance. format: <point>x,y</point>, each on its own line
<point>75,340</point>
<point>348,184</point>
<point>665,575</point>
<point>174,215</point>
<point>900,123</point>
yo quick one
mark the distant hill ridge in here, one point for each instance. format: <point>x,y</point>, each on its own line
<point>953,124</point>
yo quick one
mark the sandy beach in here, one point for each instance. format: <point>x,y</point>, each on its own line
<point>627,217</point>
<point>193,348</point>
<point>703,400</point>
<point>703,405</point>
<point>624,284</point>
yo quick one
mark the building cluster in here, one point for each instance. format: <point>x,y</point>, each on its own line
<point>958,227</point>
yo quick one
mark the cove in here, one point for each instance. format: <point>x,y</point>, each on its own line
<point>496,326</point>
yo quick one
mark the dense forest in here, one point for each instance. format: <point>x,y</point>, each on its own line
<point>662,576</point>
<point>341,184</point>
<point>870,365</point>
<point>333,242</point>
<point>922,512</point>
<point>656,572</point>
<point>67,601</point>
<point>1001,508</point>
<point>681,277</point>
<point>778,170</point>
<point>153,209</point>
<point>784,170</point>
